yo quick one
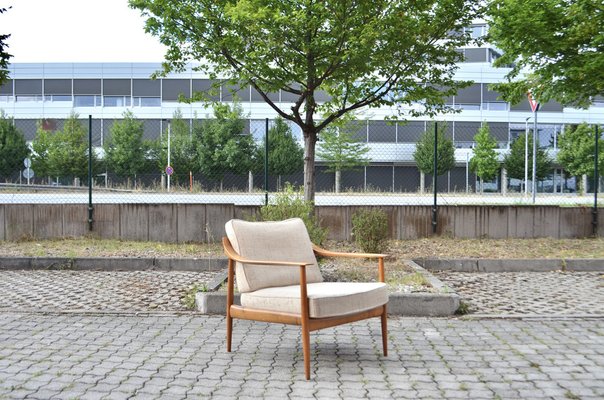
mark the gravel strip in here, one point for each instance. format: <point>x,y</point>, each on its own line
<point>98,290</point>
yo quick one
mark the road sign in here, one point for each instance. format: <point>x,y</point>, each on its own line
<point>27,162</point>
<point>169,170</point>
<point>534,103</point>
<point>28,173</point>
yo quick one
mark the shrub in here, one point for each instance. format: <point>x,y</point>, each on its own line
<point>370,230</point>
<point>290,203</point>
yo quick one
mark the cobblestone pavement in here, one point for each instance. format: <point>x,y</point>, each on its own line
<point>61,356</point>
<point>521,293</point>
<point>97,290</point>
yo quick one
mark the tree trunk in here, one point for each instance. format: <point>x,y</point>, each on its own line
<point>250,181</point>
<point>338,180</point>
<point>422,179</point>
<point>310,139</point>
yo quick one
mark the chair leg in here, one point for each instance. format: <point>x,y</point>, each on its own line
<point>306,351</point>
<point>229,332</point>
<point>385,332</point>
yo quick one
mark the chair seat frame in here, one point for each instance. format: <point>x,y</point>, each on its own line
<point>302,319</point>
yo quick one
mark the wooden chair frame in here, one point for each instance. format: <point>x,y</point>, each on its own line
<point>303,319</point>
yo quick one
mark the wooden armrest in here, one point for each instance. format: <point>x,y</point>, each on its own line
<point>328,253</point>
<point>232,254</point>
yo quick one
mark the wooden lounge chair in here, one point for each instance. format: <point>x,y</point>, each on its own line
<point>280,281</point>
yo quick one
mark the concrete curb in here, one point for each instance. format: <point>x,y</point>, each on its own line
<point>113,263</point>
<point>513,265</point>
<point>443,302</point>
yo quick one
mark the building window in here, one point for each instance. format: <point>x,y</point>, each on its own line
<point>467,106</point>
<point>58,98</point>
<point>116,101</point>
<point>87,101</point>
<point>495,106</point>
<point>28,97</point>
<point>146,102</point>
<point>476,31</point>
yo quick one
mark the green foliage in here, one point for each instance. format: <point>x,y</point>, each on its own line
<point>514,160</point>
<point>370,230</point>
<point>361,53</point>
<point>125,152</point>
<point>285,156</point>
<point>484,162</point>
<point>424,151</point>
<point>559,41</point>
<point>291,204</point>
<point>4,56</point>
<point>577,149</point>
<point>182,149</point>
<point>340,151</point>
<point>63,153</point>
<point>13,148</point>
<point>222,146</point>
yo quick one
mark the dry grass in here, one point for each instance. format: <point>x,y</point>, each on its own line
<point>399,249</point>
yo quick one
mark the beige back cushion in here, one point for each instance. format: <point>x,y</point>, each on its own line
<point>271,241</point>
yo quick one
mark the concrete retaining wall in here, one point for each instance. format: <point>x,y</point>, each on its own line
<point>205,222</point>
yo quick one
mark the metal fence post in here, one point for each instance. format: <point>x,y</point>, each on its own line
<point>594,213</point>
<point>266,148</point>
<point>434,175</point>
<point>90,208</point>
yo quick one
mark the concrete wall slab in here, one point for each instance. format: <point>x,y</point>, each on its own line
<point>163,223</point>
<point>106,223</point>
<point>19,221</point>
<point>75,220</point>
<point>134,221</point>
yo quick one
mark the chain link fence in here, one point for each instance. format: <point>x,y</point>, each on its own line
<point>363,162</point>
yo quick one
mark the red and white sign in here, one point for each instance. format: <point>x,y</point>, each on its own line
<point>534,103</point>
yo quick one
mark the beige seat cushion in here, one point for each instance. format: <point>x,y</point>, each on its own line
<point>326,299</point>
<point>272,241</point>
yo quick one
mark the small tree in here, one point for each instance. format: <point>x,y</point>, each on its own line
<point>13,148</point>
<point>577,150</point>
<point>285,155</point>
<point>63,153</point>
<point>40,148</point>
<point>424,151</point>
<point>514,160</point>
<point>182,149</point>
<point>125,150</point>
<point>222,146</point>
<point>484,162</point>
<point>341,152</point>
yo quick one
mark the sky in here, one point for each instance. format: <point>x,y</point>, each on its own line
<point>77,31</point>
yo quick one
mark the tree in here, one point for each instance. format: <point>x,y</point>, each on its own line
<point>360,53</point>
<point>63,153</point>
<point>341,152</point>
<point>560,42</point>
<point>285,155</point>
<point>13,148</point>
<point>577,149</point>
<point>4,56</point>
<point>40,148</point>
<point>125,152</point>
<point>182,149</point>
<point>424,151</point>
<point>222,146</point>
<point>515,159</point>
<point>484,162</point>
